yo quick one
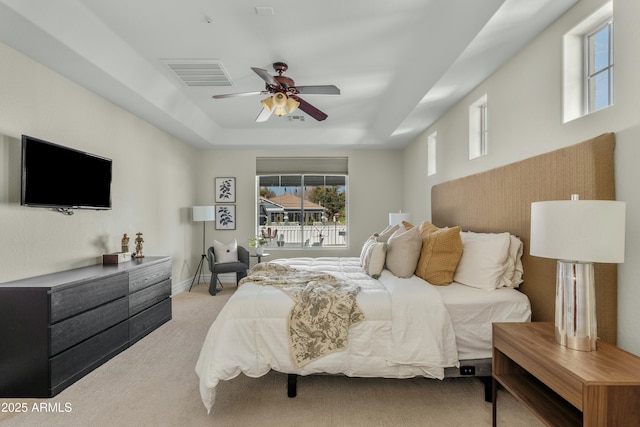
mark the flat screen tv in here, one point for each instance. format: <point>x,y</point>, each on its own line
<point>54,176</point>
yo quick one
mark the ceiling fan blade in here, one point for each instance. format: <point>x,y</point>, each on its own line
<point>318,90</point>
<point>264,75</point>
<point>310,109</point>
<point>231,95</point>
<point>264,115</point>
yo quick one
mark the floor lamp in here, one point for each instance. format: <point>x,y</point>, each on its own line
<point>204,214</point>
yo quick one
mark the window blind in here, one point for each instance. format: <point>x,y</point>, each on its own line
<point>302,165</point>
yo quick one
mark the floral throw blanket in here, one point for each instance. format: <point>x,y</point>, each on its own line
<point>324,309</point>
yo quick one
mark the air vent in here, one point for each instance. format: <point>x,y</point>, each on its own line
<point>296,118</point>
<point>200,72</point>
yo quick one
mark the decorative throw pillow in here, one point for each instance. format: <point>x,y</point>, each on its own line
<point>403,252</point>
<point>484,260</point>
<point>225,252</point>
<point>365,247</point>
<point>384,235</point>
<point>374,259</point>
<point>440,254</point>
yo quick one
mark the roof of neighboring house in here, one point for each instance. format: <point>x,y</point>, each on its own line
<point>291,202</point>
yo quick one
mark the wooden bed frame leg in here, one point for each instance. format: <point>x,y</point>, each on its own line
<point>488,388</point>
<point>292,385</point>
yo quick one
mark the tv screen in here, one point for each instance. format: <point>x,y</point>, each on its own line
<point>60,177</point>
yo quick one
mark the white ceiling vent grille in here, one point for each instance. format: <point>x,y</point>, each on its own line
<point>200,72</point>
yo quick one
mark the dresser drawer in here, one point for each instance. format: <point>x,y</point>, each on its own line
<point>78,328</point>
<point>71,365</point>
<point>145,322</point>
<point>145,276</point>
<point>149,296</point>
<point>84,297</point>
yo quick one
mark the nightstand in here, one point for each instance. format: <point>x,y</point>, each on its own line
<point>563,386</point>
<point>263,255</point>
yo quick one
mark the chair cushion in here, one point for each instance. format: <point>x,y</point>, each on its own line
<point>230,267</point>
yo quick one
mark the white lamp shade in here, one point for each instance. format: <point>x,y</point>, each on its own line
<point>578,230</point>
<point>204,213</point>
<point>396,218</point>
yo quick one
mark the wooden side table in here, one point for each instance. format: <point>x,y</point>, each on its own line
<point>564,386</point>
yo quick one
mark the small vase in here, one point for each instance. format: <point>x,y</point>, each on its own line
<point>259,250</point>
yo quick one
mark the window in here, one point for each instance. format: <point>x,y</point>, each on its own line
<point>599,67</point>
<point>296,210</point>
<point>587,81</point>
<point>478,128</point>
<point>431,153</point>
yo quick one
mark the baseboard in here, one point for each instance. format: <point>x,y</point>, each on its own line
<point>184,286</point>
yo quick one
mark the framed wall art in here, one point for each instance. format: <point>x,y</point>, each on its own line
<point>225,217</point>
<point>225,190</point>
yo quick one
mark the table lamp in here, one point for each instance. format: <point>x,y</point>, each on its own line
<point>396,218</point>
<point>577,233</point>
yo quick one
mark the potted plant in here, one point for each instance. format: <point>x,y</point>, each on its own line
<point>258,242</point>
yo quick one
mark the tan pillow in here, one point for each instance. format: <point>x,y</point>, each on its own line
<point>407,225</point>
<point>384,235</point>
<point>440,255</point>
<point>403,252</point>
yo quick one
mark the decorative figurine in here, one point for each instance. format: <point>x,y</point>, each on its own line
<point>125,243</point>
<point>139,241</point>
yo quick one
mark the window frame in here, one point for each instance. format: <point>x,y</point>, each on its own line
<point>432,156</point>
<point>575,103</point>
<point>479,128</point>
<point>332,229</point>
<point>589,58</point>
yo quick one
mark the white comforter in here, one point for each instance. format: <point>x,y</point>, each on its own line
<point>406,332</point>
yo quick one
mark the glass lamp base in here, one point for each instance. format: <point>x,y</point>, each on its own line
<point>575,321</point>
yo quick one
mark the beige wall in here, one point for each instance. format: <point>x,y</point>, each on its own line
<point>525,118</point>
<point>153,183</point>
<point>374,190</point>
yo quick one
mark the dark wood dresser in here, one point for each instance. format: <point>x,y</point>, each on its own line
<point>56,328</point>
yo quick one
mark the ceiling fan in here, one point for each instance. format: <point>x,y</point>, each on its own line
<point>284,97</point>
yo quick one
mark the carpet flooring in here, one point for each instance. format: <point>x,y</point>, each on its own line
<point>153,383</point>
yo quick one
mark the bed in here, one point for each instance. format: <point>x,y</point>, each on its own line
<point>408,327</point>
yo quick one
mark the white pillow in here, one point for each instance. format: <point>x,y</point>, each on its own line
<point>484,259</point>
<point>513,273</point>
<point>404,251</point>
<point>385,234</point>
<point>225,252</point>
<point>374,259</point>
<point>367,243</point>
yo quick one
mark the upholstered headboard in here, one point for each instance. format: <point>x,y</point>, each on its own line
<point>500,200</point>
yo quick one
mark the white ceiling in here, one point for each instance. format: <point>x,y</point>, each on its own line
<point>399,64</point>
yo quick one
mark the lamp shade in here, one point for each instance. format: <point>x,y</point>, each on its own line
<point>396,218</point>
<point>578,230</point>
<point>204,213</point>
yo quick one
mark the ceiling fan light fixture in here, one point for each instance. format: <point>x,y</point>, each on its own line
<point>292,105</point>
<point>280,104</point>
<point>267,103</point>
